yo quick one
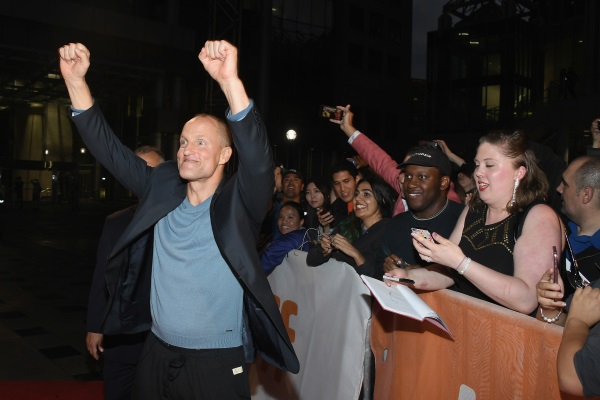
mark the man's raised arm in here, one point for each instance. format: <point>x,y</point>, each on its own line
<point>220,61</point>
<point>74,63</point>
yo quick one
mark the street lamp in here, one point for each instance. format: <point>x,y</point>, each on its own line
<point>291,136</point>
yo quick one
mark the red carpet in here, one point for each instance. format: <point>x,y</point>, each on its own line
<point>51,390</point>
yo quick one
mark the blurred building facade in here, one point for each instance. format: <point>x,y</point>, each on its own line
<point>513,64</point>
<point>295,55</point>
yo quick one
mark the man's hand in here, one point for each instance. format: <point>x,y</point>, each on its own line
<point>94,343</point>
<point>583,313</point>
<point>585,306</point>
<point>74,62</point>
<point>220,59</point>
<point>595,129</point>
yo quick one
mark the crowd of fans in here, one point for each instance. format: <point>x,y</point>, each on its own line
<point>492,228</point>
<point>484,227</point>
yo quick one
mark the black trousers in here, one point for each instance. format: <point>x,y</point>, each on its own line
<point>118,379</point>
<point>121,355</point>
<point>169,372</point>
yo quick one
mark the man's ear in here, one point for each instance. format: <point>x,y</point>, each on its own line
<point>587,194</point>
<point>225,155</point>
<point>445,182</point>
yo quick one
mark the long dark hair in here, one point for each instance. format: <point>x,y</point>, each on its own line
<point>324,185</point>
<point>351,227</point>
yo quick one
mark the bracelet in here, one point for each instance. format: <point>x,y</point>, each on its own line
<point>549,320</point>
<point>463,260</point>
<point>462,271</point>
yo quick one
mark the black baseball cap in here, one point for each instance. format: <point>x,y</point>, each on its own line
<point>430,157</point>
<point>292,171</point>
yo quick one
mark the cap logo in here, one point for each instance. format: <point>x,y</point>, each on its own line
<point>421,154</point>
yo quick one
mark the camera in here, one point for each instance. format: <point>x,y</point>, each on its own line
<point>331,113</point>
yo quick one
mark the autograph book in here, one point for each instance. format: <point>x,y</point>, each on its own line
<point>402,300</point>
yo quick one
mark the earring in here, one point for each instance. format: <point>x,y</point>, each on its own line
<point>514,196</point>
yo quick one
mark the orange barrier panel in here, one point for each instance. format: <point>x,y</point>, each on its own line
<point>499,353</point>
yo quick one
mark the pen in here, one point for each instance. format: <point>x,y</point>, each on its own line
<point>400,280</point>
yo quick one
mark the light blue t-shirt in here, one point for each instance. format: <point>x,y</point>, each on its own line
<point>195,300</point>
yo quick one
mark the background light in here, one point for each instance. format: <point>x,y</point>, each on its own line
<point>291,134</point>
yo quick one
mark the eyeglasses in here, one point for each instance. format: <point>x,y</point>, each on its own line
<point>573,274</point>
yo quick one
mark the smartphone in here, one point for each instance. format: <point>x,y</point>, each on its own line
<point>428,143</point>
<point>323,210</point>
<point>424,233</point>
<point>401,280</point>
<point>331,113</point>
<point>555,273</point>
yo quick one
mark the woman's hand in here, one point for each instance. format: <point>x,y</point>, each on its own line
<point>326,245</point>
<point>451,156</point>
<point>549,294</point>
<point>342,244</point>
<point>346,122</point>
<point>439,250</point>
<point>325,219</point>
<point>398,273</point>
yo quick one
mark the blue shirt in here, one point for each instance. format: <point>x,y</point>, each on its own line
<point>195,299</point>
<point>580,243</point>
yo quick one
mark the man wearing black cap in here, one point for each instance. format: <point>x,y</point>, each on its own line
<point>292,186</point>
<point>425,187</point>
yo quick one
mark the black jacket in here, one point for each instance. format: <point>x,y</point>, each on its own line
<point>237,210</point>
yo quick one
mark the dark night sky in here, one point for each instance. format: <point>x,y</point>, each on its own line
<point>425,16</point>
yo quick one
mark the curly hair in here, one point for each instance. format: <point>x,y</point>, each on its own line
<point>533,186</point>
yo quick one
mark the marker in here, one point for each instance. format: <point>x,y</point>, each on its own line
<point>400,280</point>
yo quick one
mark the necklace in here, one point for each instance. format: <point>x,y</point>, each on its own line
<point>433,216</point>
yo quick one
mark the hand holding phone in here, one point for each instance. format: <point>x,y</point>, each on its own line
<point>331,113</point>
<point>325,217</point>
<point>424,233</point>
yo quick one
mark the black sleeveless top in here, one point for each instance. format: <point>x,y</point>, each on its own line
<point>490,245</point>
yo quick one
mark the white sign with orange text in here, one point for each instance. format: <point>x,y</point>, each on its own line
<point>326,310</point>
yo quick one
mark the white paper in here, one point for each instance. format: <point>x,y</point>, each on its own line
<point>402,300</point>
